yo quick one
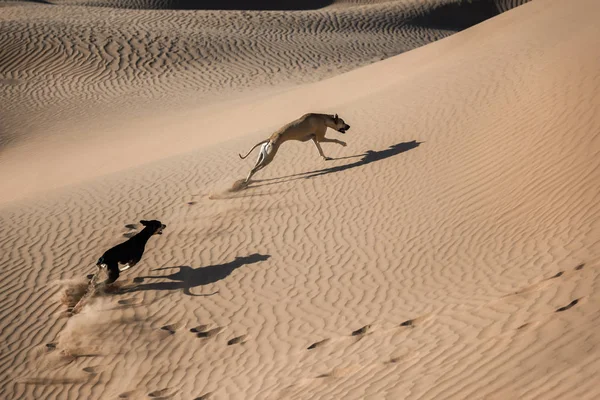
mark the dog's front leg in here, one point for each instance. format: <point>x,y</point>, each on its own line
<point>113,273</point>
<point>327,140</point>
<point>318,146</point>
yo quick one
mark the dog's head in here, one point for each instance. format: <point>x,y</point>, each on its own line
<point>154,225</point>
<point>339,124</point>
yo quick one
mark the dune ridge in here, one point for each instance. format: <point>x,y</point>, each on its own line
<point>258,5</point>
<point>450,251</point>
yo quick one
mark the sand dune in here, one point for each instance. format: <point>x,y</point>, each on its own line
<point>76,79</point>
<point>450,251</point>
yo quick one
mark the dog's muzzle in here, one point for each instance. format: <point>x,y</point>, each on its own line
<point>344,129</point>
<point>159,230</point>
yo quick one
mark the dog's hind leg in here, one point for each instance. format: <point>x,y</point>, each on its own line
<point>93,277</point>
<point>252,172</point>
<point>265,156</point>
<point>90,289</point>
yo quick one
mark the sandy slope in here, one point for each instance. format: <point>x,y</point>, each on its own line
<point>452,251</point>
<point>108,58</point>
<point>97,87</point>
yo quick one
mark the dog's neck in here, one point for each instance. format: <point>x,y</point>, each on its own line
<point>144,235</point>
<point>330,121</point>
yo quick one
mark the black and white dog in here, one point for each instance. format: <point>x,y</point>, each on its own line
<point>130,252</point>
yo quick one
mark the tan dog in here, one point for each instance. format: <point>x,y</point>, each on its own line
<point>308,127</point>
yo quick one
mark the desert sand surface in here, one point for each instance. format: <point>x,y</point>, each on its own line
<point>451,250</point>
<point>99,88</point>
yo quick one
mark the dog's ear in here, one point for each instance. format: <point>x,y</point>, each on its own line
<point>335,118</point>
<point>143,222</point>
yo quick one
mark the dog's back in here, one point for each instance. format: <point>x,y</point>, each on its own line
<point>300,129</point>
<point>132,249</point>
<point>123,252</point>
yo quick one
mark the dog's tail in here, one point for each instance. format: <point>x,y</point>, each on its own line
<point>255,146</point>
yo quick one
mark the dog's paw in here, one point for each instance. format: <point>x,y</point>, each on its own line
<point>327,158</point>
<point>343,143</point>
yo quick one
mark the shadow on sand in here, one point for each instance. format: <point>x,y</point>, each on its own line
<point>367,158</point>
<point>187,277</point>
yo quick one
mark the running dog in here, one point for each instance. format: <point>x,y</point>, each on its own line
<point>308,127</point>
<point>129,252</point>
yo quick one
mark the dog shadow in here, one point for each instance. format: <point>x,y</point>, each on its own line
<point>367,158</point>
<point>187,277</point>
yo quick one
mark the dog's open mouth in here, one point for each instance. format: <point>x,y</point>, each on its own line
<point>159,230</point>
<point>342,130</point>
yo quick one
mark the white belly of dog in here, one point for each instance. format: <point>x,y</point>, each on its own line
<point>122,268</point>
